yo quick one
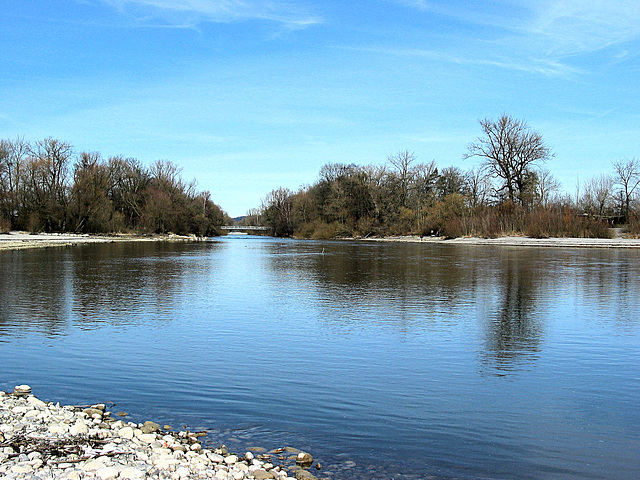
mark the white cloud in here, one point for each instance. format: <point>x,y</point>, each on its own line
<point>190,13</point>
<point>570,27</point>
<point>561,27</point>
<point>546,67</point>
<point>536,36</point>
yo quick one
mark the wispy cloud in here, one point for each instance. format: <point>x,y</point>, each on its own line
<point>570,27</point>
<point>502,14</point>
<point>565,26</point>
<point>539,36</point>
<point>546,67</point>
<point>191,13</point>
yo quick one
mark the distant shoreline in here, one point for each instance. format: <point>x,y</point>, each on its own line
<point>23,240</point>
<point>557,242</point>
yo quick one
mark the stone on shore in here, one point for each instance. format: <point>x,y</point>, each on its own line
<point>260,474</point>
<point>305,475</point>
<point>304,459</point>
<point>126,432</point>
<point>21,390</point>
<point>150,427</point>
<point>46,441</point>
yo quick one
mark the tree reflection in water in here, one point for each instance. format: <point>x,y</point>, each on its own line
<point>514,329</point>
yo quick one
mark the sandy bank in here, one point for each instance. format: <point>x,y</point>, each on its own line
<point>21,240</point>
<point>520,241</point>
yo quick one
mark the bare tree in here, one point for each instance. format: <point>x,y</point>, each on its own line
<point>377,179</point>
<point>478,186</point>
<point>128,179</point>
<point>510,149</point>
<point>276,211</point>
<point>165,176</point>
<point>402,163</point>
<point>54,156</point>
<point>90,208</point>
<point>597,195</point>
<point>424,178</point>
<point>547,186</point>
<point>628,177</point>
<point>13,154</point>
<point>47,176</point>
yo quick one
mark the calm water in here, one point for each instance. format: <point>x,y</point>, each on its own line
<point>412,361</point>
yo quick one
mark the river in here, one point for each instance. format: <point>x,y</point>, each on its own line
<point>385,361</point>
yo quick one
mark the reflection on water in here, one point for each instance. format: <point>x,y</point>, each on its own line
<point>445,361</point>
<point>51,290</point>
<point>515,329</point>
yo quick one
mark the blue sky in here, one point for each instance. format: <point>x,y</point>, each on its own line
<point>247,96</point>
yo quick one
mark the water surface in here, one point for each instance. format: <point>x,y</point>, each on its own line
<point>409,360</point>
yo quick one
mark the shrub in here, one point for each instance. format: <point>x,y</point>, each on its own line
<point>305,230</point>
<point>634,226</point>
<point>445,217</point>
<point>453,228</point>
<point>364,227</point>
<point>484,223</point>
<point>34,223</point>
<point>544,223</point>
<point>319,230</point>
<point>5,225</point>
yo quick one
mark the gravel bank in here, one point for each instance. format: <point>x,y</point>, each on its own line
<point>44,441</point>
<point>564,242</point>
<point>22,240</point>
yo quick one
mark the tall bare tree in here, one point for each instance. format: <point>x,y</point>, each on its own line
<point>509,149</point>
<point>128,181</point>
<point>276,211</point>
<point>478,186</point>
<point>55,156</point>
<point>547,186</point>
<point>13,154</point>
<point>597,196</point>
<point>90,207</point>
<point>402,161</point>
<point>628,177</point>
<point>47,176</point>
<point>422,189</point>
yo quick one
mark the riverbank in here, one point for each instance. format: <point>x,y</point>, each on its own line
<point>565,242</point>
<point>46,441</point>
<point>21,240</point>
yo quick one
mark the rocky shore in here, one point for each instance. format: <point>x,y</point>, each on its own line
<point>22,240</point>
<point>558,242</point>
<point>43,441</point>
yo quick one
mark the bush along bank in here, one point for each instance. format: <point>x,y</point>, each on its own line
<point>43,441</point>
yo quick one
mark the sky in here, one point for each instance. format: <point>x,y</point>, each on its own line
<point>248,96</point>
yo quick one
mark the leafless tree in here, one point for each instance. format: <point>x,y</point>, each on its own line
<point>128,179</point>
<point>276,211</point>
<point>509,149</point>
<point>547,186</point>
<point>478,186</point>
<point>165,176</point>
<point>597,195</point>
<point>54,157</point>
<point>402,161</point>
<point>423,183</point>
<point>13,154</point>
<point>46,184</point>
<point>628,177</point>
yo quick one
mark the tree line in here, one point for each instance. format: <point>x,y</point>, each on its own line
<point>509,192</point>
<point>46,187</point>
